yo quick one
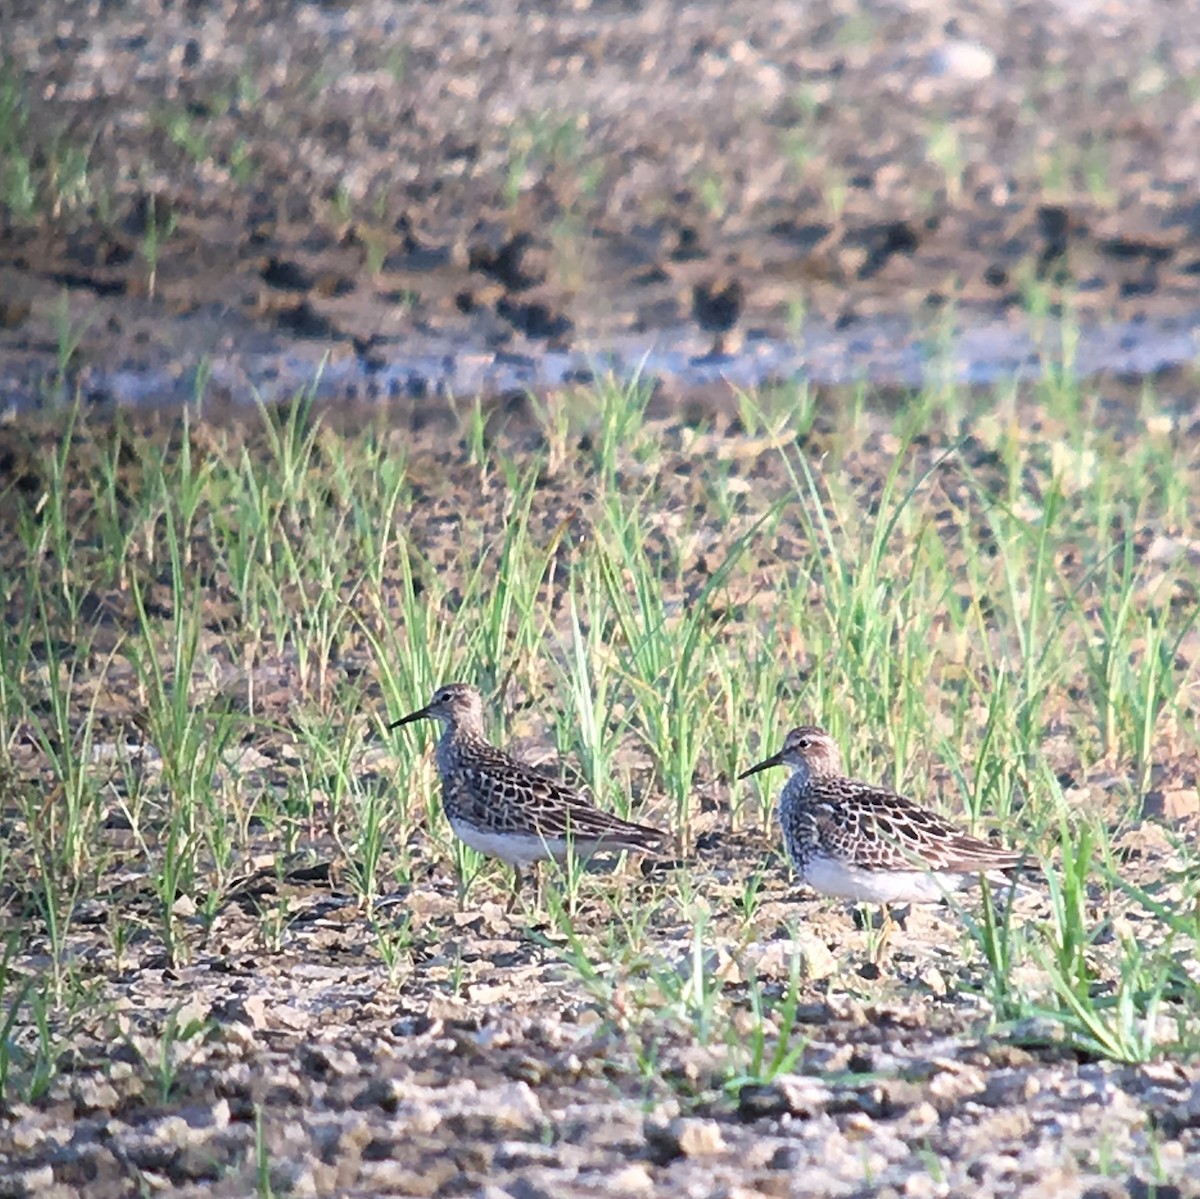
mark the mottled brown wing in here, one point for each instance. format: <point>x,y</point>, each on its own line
<point>520,799</point>
<point>889,831</point>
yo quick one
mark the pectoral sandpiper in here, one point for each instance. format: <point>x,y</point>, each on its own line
<point>865,843</point>
<point>503,808</point>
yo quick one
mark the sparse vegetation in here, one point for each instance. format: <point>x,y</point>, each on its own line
<point>241,950</point>
<point>965,631</point>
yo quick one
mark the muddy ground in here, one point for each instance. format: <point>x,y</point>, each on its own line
<point>239,189</point>
<point>298,1043</point>
<point>274,182</point>
<point>487,1068</point>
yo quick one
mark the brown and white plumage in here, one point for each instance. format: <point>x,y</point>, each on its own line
<point>849,838</point>
<point>505,809</point>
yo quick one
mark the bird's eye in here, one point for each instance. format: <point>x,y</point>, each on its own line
<point>805,743</point>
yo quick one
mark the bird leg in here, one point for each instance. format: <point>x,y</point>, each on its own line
<point>519,883</point>
<point>886,926</point>
<point>515,893</point>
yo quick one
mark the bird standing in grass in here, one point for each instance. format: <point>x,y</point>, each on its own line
<point>865,843</point>
<point>504,809</point>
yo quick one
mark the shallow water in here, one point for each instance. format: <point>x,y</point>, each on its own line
<point>886,351</point>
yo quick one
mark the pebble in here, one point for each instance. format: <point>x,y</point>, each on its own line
<point>794,1094</point>
<point>962,59</point>
<point>684,1137</point>
<point>699,1138</point>
<point>633,1179</point>
<point>812,955</point>
<point>36,1181</point>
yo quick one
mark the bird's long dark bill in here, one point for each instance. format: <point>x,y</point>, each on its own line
<point>773,760</point>
<point>417,715</point>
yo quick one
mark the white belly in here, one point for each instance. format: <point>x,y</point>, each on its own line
<point>831,877</point>
<point>517,849</point>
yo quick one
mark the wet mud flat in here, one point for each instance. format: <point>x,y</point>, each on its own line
<point>222,197</point>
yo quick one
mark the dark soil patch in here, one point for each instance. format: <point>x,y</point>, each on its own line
<point>306,177</point>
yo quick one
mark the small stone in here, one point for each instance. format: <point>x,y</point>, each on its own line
<point>1171,1074</point>
<point>291,1017</point>
<point>1005,1088</point>
<point>921,1185</point>
<point>920,1119</point>
<point>700,1138</point>
<point>380,1093</point>
<point>789,1094</point>
<point>955,1083</point>
<point>935,980</point>
<point>786,1157</point>
<point>883,1100</point>
<point>1105,1188</point>
<point>758,1102</point>
<point>400,1178</point>
<point>254,1011</point>
<point>326,1061</point>
<point>1175,803</point>
<point>959,58</point>
<point>501,1112</point>
<point>684,1137</point>
<point>812,957</point>
<point>36,1181</point>
<point>27,1133</point>
<point>1171,1151</point>
<point>484,994</point>
<point>94,1094</point>
<point>633,1179</point>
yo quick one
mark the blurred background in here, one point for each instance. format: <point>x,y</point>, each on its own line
<point>466,197</point>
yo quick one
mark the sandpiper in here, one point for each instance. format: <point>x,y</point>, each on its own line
<point>503,808</point>
<point>865,843</point>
